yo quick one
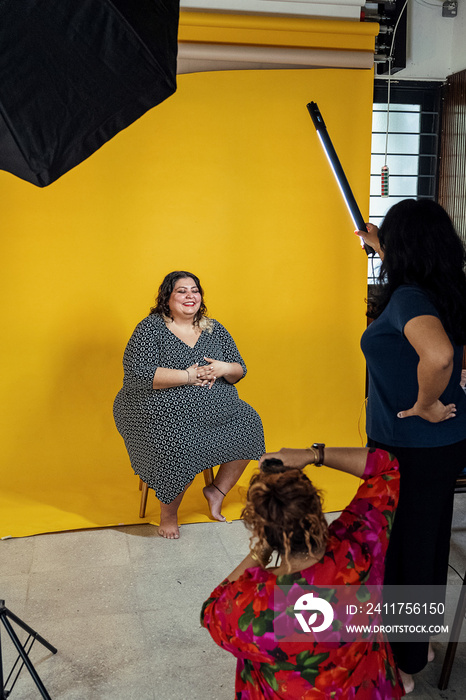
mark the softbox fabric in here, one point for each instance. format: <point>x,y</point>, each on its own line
<point>73,73</point>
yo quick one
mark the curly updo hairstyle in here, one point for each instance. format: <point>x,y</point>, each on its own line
<point>165,290</point>
<point>284,512</point>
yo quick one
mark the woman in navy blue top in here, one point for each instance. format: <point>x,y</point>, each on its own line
<point>416,408</point>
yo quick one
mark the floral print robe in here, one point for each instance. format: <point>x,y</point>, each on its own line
<point>239,615</point>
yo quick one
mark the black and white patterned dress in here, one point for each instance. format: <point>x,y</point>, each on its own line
<point>173,434</point>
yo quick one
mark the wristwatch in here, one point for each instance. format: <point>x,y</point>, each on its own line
<point>320,447</point>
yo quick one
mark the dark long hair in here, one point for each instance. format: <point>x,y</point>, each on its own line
<point>421,247</point>
<point>166,288</point>
<point>284,511</point>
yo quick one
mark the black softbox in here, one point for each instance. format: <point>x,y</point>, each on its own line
<point>73,73</point>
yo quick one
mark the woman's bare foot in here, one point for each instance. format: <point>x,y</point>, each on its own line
<point>169,527</point>
<point>408,681</point>
<point>214,498</point>
<point>430,653</point>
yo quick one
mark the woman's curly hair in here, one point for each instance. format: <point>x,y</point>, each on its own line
<point>165,290</point>
<point>284,512</point>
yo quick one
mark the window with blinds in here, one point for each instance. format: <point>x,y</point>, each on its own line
<point>411,147</point>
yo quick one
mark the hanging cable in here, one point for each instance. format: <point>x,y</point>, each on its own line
<point>385,171</point>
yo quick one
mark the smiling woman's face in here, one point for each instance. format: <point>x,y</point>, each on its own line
<point>185,299</point>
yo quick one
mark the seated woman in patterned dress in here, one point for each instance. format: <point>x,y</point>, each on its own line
<point>284,513</point>
<point>178,411</point>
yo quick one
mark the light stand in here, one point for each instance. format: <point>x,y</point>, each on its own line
<point>23,652</point>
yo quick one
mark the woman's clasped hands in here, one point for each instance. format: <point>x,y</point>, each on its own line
<point>206,375</point>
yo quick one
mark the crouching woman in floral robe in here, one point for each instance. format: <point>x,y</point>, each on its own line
<point>284,513</point>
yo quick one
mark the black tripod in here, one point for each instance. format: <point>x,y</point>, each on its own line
<point>23,653</point>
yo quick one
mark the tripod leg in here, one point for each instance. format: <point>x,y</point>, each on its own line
<point>2,687</point>
<point>26,659</point>
<point>26,628</point>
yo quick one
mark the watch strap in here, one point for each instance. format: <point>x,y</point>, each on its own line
<point>320,448</point>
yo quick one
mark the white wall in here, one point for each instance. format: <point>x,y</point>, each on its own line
<point>436,45</point>
<point>458,47</point>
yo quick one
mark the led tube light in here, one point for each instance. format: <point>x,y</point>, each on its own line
<point>338,171</point>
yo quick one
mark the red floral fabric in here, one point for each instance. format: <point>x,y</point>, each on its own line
<point>239,615</point>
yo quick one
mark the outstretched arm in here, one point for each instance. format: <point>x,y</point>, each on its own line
<point>351,460</point>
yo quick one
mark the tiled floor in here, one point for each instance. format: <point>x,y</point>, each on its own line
<point>122,607</point>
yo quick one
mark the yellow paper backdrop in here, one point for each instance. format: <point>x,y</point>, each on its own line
<point>227,179</point>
